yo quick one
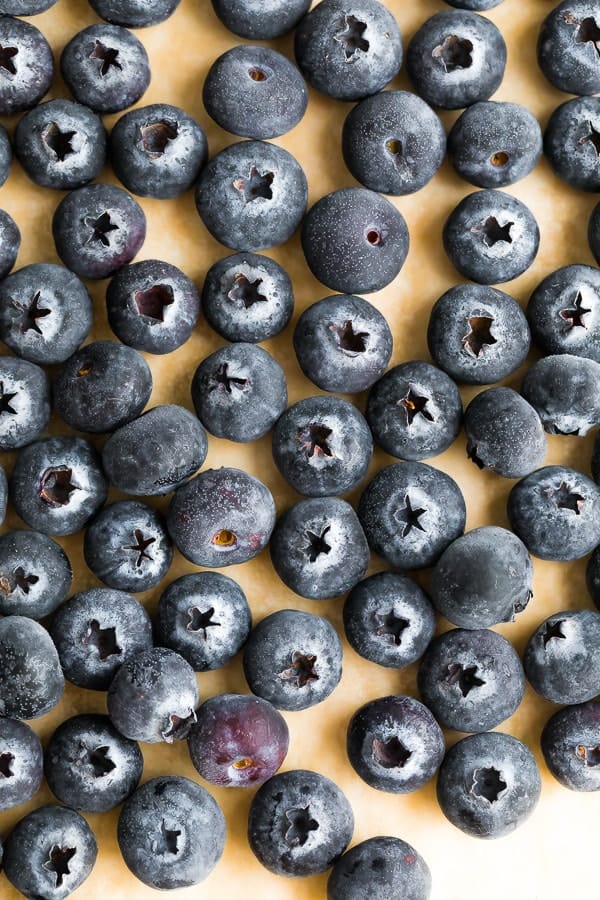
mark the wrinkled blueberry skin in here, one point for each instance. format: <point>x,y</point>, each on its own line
<point>58,484</point>
<point>592,574</point>
<point>239,392</point>
<point>26,7</point>
<point>454,76</point>
<point>566,58</point>
<point>127,546</point>
<point>464,772</point>
<point>381,868</point>
<point>106,83</point>
<point>411,534</point>
<point>281,825</point>
<point>569,743</point>
<point>204,617</point>
<point>135,13</point>
<point>89,766</point>
<point>270,658</point>
<point>564,390</point>
<point>35,574</point>
<point>594,232</point>
<point>5,155</point>
<point>10,240</point>
<point>550,531</point>
<point>157,452</point>
<point>21,745</point>
<point>260,20</point>
<point>398,423</point>
<point>97,631</point>
<point>494,144</point>
<point>354,241</point>
<point>319,549</point>
<point>504,433</point>
<point>393,142</point>
<point>562,657</point>
<point>25,391</point>
<point>343,343</point>
<point>32,679</point>
<point>340,458</point>
<point>564,312</point>
<point>33,64</point>
<point>381,734</point>
<point>492,685</point>
<point>568,145</point>
<point>252,195</point>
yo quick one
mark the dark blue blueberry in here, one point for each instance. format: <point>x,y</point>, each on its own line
<point>24,402</point>
<point>474,4</point>
<point>89,766</point>
<point>571,746</point>
<point>504,433</point>
<point>204,617</point>
<point>319,549</point>
<point>380,868</point>
<point>592,575</point>
<point>134,13</point>
<point>32,679</point>
<point>35,574</point>
<point>21,763</point>
<point>562,657</point>
<point>5,155</point>
<point>299,823</point>
<point>3,494</point>
<point>564,312</point>
<point>567,50</point>
<point>10,241</point>
<point>258,21</point>
<point>293,659</point>
<point>410,513</point>
<point>565,392</point>
<point>594,232</point>
<point>27,67</point>
<point>26,7</point>
<point>572,142</point>
<point>354,240</point>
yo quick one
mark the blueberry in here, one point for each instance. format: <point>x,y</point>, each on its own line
<point>5,155</point>
<point>570,743</point>
<point>354,240</point>
<point>477,334</point>
<point>319,549</point>
<point>204,617</point>
<point>24,402</point>
<point>395,744</point>
<point>293,659</point>
<point>158,150</point>
<point>35,574</point>
<point>32,679</point>
<point>343,343</point>
<point>10,241</point>
<point>299,823</point>
<point>28,65</point>
<point>474,4</point>
<point>58,484</point>
<point>3,494</point>
<point>21,763</point>
<point>106,67</point>
<point>127,546</point>
<point>98,229</point>
<point>471,680</point>
<point>322,446</point>
<point>221,518</point>
<point>414,411</point>
<point>171,833</point>
<point>26,7</point>
<point>381,868</point>
<point>252,19</point>
<point>155,453</point>
<point>594,232</point>
<point>592,575</point>
<point>504,433</point>
<point>89,766</point>
<point>239,392</point>
<point>563,312</point>
<point>349,50</point>
<point>562,660</point>
<point>564,391</point>
<point>456,58</point>
<point>393,142</point>
<point>566,48</point>
<point>97,631</point>
<point>488,784</point>
<point>134,13</point>
<point>252,195</point>
<point>410,513</point>
<point>572,142</point>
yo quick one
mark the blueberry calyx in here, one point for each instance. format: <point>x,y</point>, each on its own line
<point>6,761</point>
<point>151,302</point>
<point>391,754</point>
<point>316,544</point>
<point>414,405</point>
<point>246,291</point>
<point>155,136</point>
<point>553,630</point>
<point>103,639</point>
<point>108,57</point>
<point>100,229</point>
<point>256,184</point>
<point>56,486</point>
<point>101,762</point>
<point>479,335</point>
<point>58,862</point>
<point>589,755</point>
<point>5,399</point>
<point>179,727</point>
<point>31,313</point>
<point>351,341</point>
<point>314,439</point>
<point>140,547</point>
<point>573,315</point>
<point>464,676</point>
<point>58,141</point>
<point>301,824</point>
<point>350,37</point>
<point>200,621</point>
<point>454,53</point>
<point>391,625</point>
<point>492,232</point>
<point>302,670</point>
<point>565,498</point>
<point>7,55</point>
<point>166,842</point>
<point>488,784</point>
<point>408,517</point>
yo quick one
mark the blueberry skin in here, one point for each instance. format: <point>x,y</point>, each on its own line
<point>101,387</point>
<point>414,411</point>
<point>564,390</point>
<point>594,232</point>
<point>45,313</point>
<point>3,494</point>
<point>10,241</point>
<point>569,142</point>
<point>456,58</point>
<point>322,446</point>
<point>221,518</point>
<point>35,574</point>
<point>566,50</point>
<point>319,549</point>
<point>474,4</point>
<point>393,142</point>
<point>354,240</point>
<point>127,546</point>
<point>97,631</point>
<point>155,453</point>
<point>5,154</point>
<point>471,680</point>
<point>564,312</point>
<point>299,823</point>
<point>410,513</point>
<point>561,659</point>
<point>504,433</point>
<point>252,195</point>
<point>349,50</point>
<point>260,21</point>
<point>158,151</point>
<point>293,659</point>
<point>247,297</point>
<point>32,66</point>
<point>24,402</point>
<point>592,574</point>
<point>487,765</point>
<point>106,67</point>
<point>32,678</point>
<point>23,757</point>
<point>381,868</point>
<point>57,484</point>
<point>239,392</point>
<point>98,229</point>
<point>395,744</point>
<point>204,617</point>
<point>90,766</point>
<point>569,743</point>
<point>494,144</point>
<point>556,513</point>
<point>343,343</point>
<point>134,13</point>
<point>254,92</point>
<point>26,7</point>
<point>477,334</point>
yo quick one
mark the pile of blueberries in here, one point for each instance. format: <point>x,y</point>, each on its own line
<point>252,196</point>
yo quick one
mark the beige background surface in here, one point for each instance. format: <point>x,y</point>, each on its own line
<point>553,857</point>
